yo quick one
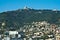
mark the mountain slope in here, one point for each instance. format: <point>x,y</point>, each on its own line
<point>17,18</point>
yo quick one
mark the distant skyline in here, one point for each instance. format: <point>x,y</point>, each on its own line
<point>9,5</point>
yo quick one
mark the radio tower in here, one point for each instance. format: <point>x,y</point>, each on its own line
<point>27,3</point>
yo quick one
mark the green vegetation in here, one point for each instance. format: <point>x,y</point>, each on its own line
<point>17,18</point>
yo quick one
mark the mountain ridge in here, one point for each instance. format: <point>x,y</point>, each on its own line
<point>19,17</point>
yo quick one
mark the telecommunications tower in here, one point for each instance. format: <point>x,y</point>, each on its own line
<point>27,4</point>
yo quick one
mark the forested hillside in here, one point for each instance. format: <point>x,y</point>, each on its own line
<point>18,17</point>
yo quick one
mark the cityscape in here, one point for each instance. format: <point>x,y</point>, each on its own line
<point>29,20</point>
<point>33,31</point>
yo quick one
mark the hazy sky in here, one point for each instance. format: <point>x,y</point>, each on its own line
<point>6,5</point>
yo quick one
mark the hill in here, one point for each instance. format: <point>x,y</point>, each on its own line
<point>18,17</point>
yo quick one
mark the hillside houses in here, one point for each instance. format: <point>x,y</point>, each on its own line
<point>35,30</point>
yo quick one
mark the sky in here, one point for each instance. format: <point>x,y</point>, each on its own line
<point>9,5</point>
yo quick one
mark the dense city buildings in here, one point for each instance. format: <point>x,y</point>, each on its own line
<point>33,31</point>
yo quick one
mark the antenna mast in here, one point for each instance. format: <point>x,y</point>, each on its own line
<point>27,3</point>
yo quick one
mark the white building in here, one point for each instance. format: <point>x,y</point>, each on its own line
<point>12,33</point>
